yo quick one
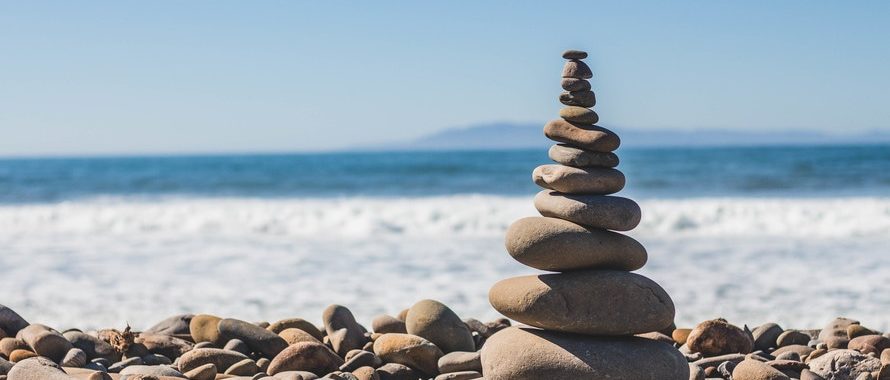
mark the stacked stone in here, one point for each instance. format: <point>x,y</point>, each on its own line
<point>582,319</point>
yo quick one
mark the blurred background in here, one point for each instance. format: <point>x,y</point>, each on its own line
<point>262,161</point>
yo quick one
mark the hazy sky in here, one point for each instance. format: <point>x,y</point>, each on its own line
<point>211,76</point>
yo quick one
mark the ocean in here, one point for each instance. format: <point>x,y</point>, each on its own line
<point>796,235</point>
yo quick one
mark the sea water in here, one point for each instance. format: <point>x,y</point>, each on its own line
<point>795,235</point>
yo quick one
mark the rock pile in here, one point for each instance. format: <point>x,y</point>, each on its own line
<point>583,319</point>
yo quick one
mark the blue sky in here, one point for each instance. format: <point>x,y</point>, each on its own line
<point>251,76</point>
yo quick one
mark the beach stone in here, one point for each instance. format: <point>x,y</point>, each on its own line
<point>204,328</point>
<point>11,322</point>
<point>37,368</point>
<point>558,245</point>
<point>257,338</point>
<point>579,158</point>
<point>765,336</point>
<point>360,358</point>
<point>117,367</point>
<point>869,344</point>
<point>5,366</point>
<point>156,359</point>
<point>366,373</point>
<point>595,211</point>
<point>204,372</point>
<point>718,337</point>
<point>92,346</point>
<point>575,84</point>
<point>343,331</point>
<point>836,328</point>
<point>75,357</point>
<point>237,345</point>
<point>45,341</point>
<point>580,99</point>
<point>885,356</point>
<point>791,337</point>
<point>221,359</point>
<point>435,322</point>
<point>396,371</point>
<point>810,375</point>
<point>756,370</point>
<point>151,370</point>
<point>246,367</point>
<point>306,356</point>
<point>8,345</point>
<point>166,345</point>
<point>410,350</point>
<point>578,114</point>
<point>296,323</point>
<point>525,353</point>
<point>854,331</point>
<point>588,137</point>
<point>294,335</point>
<point>576,69</point>
<point>385,324</point>
<point>566,179</point>
<point>844,364</point>
<point>800,349</point>
<point>21,354</point>
<point>596,302</point>
<point>680,335</point>
<point>696,372</point>
<point>574,54</point>
<point>464,375</point>
<point>174,325</point>
<point>458,361</point>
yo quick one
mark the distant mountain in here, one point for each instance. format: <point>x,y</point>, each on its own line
<point>530,135</point>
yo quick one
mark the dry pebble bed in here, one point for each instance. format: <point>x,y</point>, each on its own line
<point>426,341</point>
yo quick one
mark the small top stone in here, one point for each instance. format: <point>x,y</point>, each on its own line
<point>574,54</point>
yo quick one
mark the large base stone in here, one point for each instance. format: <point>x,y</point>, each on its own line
<point>530,354</point>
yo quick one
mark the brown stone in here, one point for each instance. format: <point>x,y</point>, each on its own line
<point>294,335</point>
<point>596,302</point>
<point>435,322</point>
<point>580,158</point>
<point>37,368</point>
<point>45,341</point>
<point>559,245</point>
<point>869,344</point>
<point>575,84</point>
<point>344,332</point>
<point>221,359</point>
<point>579,115</point>
<point>589,137</point>
<point>530,354</point>
<point>576,69</point>
<point>388,324</point>
<point>259,339</point>
<point>756,370</point>
<point>595,211</point>
<point>718,337</point>
<point>297,323</point>
<point>580,99</point>
<point>569,180</point>
<point>306,356</point>
<point>574,54</point>
<point>680,335</point>
<point>11,322</point>
<point>203,328</point>
<point>409,350</point>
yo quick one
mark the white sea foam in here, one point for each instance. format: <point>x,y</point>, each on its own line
<point>103,262</point>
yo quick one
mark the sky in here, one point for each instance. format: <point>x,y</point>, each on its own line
<point>112,77</point>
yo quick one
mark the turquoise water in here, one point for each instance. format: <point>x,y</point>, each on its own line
<point>667,172</point>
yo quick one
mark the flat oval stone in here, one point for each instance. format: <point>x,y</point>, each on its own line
<point>37,368</point>
<point>433,321</point>
<point>203,328</point>
<point>306,356</point>
<point>559,245</point>
<point>718,337</point>
<point>257,338</point>
<point>566,179</point>
<point>221,359</point>
<point>579,99</point>
<point>580,158</point>
<point>579,115</point>
<point>574,54</point>
<point>596,211</point>
<point>575,84</point>
<point>530,354</point>
<point>298,323</point>
<point>589,137</point>
<point>46,341</point>
<point>756,370</point>
<point>386,323</point>
<point>294,335</point>
<point>410,350</point>
<point>576,69</point>
<point>595,302</point>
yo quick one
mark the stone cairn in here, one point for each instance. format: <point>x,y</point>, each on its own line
<point>582,319</point>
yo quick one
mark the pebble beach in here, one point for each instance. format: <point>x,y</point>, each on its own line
<point>579,303</point>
